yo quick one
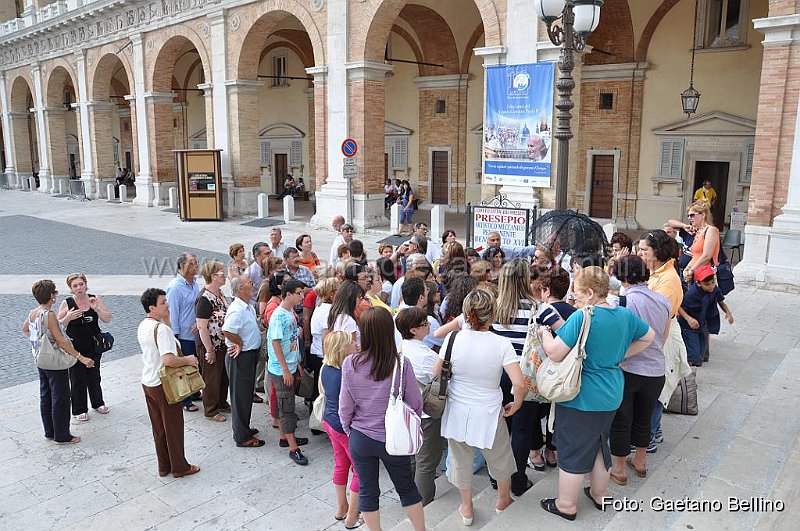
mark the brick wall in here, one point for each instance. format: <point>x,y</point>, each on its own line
<point>159,122</point>
<point>100,120</point>
<point>320,135</point>
<point>366,113</point>
<point>245,149</point>
<point>57,142</point>
<point>22,143</point>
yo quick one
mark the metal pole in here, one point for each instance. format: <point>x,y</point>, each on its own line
<point>565,85</point>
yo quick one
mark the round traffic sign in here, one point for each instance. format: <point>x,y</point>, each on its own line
<point>349,148</point>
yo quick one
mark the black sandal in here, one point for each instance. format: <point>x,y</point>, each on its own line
<point>588,492</point>
<point>251,443</point>
<point>549,505</point>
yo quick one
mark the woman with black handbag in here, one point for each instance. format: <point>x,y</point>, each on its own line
<point>81,314</point>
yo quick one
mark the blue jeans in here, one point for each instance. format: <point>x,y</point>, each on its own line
<point>367,455</point>
<point>655,422</point>
<point>189,348</point>
<point>696,342</point>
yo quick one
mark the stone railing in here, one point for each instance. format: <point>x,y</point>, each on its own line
<point>10,26</point>
<point>48,12</point>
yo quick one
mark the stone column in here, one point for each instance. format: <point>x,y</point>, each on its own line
<point>131,99</point>
<point>8,133</point>
<point>366,89</point>
<point>310,169</point>
<point>443,130</point>
<point>208,98</point>
<point>159,110</point>
<point>144,177</point>
<point>56,145</point>
<point>101,125</point>
<point>245,151</point>
<point>38,101</point>
<point>219,114</point>
<point>330,86</point>
<point>87,150</point>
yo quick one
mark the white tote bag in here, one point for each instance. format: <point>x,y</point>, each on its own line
<point>315,419</point>
<point>403,425</point>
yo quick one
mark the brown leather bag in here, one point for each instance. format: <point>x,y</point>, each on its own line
<point>178,382</point>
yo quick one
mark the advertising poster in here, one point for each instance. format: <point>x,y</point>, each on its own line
<point>512,224</point>
<point>517,128</point>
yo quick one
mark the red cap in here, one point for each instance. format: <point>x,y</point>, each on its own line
<point>703,272</point>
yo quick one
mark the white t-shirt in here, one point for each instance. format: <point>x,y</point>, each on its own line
<point>319,322</point>
<point>422,359</point>
<point>345,323</point>
<point>386,287</point>
<point>151,353</point>
<point>339,240</point>
<point>474,398</point>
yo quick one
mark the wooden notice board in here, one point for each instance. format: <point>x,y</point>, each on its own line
<point>199,184</point>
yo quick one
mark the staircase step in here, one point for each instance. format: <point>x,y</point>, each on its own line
<point>446,501</point>
<point>483,510</point>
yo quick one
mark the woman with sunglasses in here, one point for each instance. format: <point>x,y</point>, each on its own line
<point>706,244</point>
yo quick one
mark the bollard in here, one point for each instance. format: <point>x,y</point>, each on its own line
<point>394,218</point>
<point>123,193</point>
<point>173,197</point>
<point>110,193</point>
<point>62,186</point>
<point>263,205</point>
<point>288,208</point>
<point>32,183</point>
<point>437,221</point>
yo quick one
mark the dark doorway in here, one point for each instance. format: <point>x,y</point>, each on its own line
<point>440,163</point>
<point>281,171</point>
<point>128,164</point>
<point>73,169</point>
<point>717,173</point>
<point>602,199</point>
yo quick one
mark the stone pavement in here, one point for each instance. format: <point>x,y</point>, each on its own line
<point>744,442</point>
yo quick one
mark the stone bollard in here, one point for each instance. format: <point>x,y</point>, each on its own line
<point>288,208</point>
<point>437,222</point>
<point>173,197</point>
<point>263,205</point>
<point>63,187</point>
<point>110,193</point>
<point>394,218</point>
<point>32,183</point>
<point>123,193</point>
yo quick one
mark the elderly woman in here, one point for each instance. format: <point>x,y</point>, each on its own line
<point>583,424</point>
<point>659,251</point>
<point>643,373</point>
<point>210,311</point>
<point>80,314</point>
<point>53,385</point>
<point>238,265</point>
<point>705,247</point>
<point>363,399</point>
<point>474,410</point>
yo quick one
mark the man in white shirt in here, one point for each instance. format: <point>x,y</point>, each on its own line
<point>275,244</point>
<point>160,348</point>
<point>344,238</point>
<point>434,250</point>
<point>261,253</point>
<point>412,262</point>
<point>243,339</point>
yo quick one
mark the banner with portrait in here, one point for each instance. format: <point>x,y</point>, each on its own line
<point>517,128</point>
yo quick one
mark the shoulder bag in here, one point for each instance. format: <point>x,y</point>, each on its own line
<point>315,419</point>
<point>403,425</point>
<point>561,381</point>
<point>178,382</point>
<point>434,395</point>
<point>531,360</point>
<point>50,357</point>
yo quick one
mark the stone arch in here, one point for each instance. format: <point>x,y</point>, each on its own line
<point>289,46</point>
<point>471,43</point>
<point>369,39</point>
<point>266,16</point>
<point>650,29</point>
<point>613,38</point>
<point>435,37</point>
<point>57,79</point>
<point>25,133</point>
<point>21,90</point>
<point>181,40</point>
<point>104,72</point>
<point>293,131</point>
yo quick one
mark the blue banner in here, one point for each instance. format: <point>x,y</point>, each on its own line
<point>517,128</point>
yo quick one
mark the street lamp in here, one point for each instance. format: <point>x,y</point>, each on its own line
<point>579,18</point>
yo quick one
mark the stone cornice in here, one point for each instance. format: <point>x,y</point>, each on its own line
<point>614,72</point>
<point>778,30</point>
<point>367,70</point>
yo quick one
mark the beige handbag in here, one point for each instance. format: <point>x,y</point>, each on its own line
<point>50,357</point>
<point>560,381</point>
<point>178,382</point>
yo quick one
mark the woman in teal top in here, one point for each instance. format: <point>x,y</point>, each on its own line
<point>583,424</point>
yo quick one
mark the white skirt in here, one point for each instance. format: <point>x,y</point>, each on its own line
<point>473,424</point>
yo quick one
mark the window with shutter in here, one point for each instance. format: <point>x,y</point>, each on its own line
<point>400,154</point>
<point>266,153</point>
<point>748,162</point>
<point>296,153</point>
<point>670,159</point>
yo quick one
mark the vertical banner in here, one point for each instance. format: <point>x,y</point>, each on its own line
<point>517,127</point>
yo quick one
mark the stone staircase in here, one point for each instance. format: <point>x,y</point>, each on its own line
<point>743,444</point>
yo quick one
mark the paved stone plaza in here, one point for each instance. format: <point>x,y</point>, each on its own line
<point>744,442</point>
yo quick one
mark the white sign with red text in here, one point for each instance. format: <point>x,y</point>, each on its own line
<point>512,224</point>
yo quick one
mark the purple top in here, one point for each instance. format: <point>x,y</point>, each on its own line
<point>363,401</point>
<point>654,309</point>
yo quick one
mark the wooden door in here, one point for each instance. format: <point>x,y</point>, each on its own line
<point>717,173</point>
<point>602,194</point>
<point>440,163</point>
<point>281,171</point>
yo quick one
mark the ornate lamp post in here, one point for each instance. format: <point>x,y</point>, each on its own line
<point>579,18</point>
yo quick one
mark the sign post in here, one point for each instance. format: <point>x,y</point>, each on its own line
<point>513,224</point>
<point>350,172</point>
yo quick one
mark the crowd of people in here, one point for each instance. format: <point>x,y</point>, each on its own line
<point>417,312</point>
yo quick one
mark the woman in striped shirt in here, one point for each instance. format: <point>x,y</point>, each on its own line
<point>515,306</point>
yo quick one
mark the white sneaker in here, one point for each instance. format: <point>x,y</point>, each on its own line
<point>83,417</point>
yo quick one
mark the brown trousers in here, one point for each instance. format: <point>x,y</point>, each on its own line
<point>215,394</point>
<point>167,422</point>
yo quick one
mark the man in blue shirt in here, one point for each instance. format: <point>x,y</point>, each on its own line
<point>182,292</point>
<point>493,239</point>
<point>243,339</point>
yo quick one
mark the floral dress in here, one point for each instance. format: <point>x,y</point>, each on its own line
<point>213,308</point>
